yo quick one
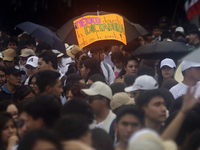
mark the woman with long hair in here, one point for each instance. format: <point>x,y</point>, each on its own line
<point>131,66</point>
<point>8,128</point>
<point>90,67</point>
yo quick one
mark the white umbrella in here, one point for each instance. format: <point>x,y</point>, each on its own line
<point>193,56</point>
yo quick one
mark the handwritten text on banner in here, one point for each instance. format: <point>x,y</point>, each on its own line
<point>90,29</point>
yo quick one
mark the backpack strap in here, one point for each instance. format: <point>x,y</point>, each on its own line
<point>108,70</point>
<point>63,79</point>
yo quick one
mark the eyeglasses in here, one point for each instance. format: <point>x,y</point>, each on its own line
<point>23,58</point>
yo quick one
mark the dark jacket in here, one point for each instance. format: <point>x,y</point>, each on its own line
<point>5,94</point>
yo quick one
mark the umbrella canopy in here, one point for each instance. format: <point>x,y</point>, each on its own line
<point>67,32</point>
<point>43,34</point>
<point>164,49</point>
<point>193,56</point>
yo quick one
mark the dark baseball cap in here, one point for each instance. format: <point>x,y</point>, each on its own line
<point>13,69</point>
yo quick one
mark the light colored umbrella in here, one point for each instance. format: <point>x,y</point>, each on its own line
<point>193,56</point>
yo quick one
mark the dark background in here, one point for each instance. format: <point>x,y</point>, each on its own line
<point>56,12</point>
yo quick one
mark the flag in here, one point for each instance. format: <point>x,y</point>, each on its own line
<point>192,8</point>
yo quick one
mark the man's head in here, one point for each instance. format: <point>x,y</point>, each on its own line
<point>11,43</point>
<point>97,54</point>
<point>141,84</point>
<point>100,95</point>
<point>32,65</point>
<point>13,75</point>
<point>48,83</point>
<point>194,36</point>
<point>26,53</point>
<point>42,112</point>
<point>191,70</point>
<point>42,47</point>
<point>47,61</point>
<point>153,104</point>
<point>9,57</point>
<point>30,43</point>
<point>130,118</point>
<point>156,31</point>
<point>74,128</point>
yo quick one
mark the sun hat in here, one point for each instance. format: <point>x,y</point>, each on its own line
<point>144,82</point>
<point>167,62</point>
<point>72,50</point>
<point>32,61</point>
<point>188,64</point>
<point>98,88</point>
<point>149,140</point>
<point>9,54</point>
<point>27,52</point>
<point>120,99</point>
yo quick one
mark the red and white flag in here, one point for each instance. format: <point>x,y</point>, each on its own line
<point>192,8</point>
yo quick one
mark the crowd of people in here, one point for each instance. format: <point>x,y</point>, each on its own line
<point>98,98</point>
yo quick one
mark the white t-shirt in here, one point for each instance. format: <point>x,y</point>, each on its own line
<point>110,79</point>
<point>64,67</point>
<point>107,59</point>
<point>181,89</point>
<point>106,123</point>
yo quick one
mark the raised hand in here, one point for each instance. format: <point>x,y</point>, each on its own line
<point>189,101</point>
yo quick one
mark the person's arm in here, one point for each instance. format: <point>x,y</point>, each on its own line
<point>174,127</point>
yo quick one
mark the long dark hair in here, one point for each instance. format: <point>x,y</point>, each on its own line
<point>5,117</point>
<point>123,72</point>
<point>94,67</point>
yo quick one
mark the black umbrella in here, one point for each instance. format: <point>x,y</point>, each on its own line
<point>43,34</point>
<point>67,32</point>
<point>163,49</point>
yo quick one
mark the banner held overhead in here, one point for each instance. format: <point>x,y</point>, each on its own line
<point>92,28</point>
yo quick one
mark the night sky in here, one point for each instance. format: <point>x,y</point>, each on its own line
<point>57,12</point>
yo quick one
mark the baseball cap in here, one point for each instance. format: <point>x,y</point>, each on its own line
<point>144,82</point>
<point>98,88</point>
<point>27,52</point>
<point>188,64</point>
<point>72,50</point>
<point>32,61</point>
<point>120,99</point>
<point>13,69</point>
<point>9,54</point>
<point>1,56</point>
<point>167,62</point>
<point>180,29</point>
<point>144,138</point>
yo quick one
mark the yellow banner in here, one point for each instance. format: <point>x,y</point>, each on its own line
<point>90,29</point>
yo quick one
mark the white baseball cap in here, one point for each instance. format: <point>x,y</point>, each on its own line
<point>188,64</point>
<point>99,88</point>
<point>167,62</point>
<point>180,29</point>
<point>143,82</point>
<point>32,61</point>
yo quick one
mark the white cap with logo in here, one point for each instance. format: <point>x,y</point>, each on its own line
<point>32,61</point>
<point>144,82</point>
<point>99,88</point>
<point>188,64</point>
<point>167,62</point>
